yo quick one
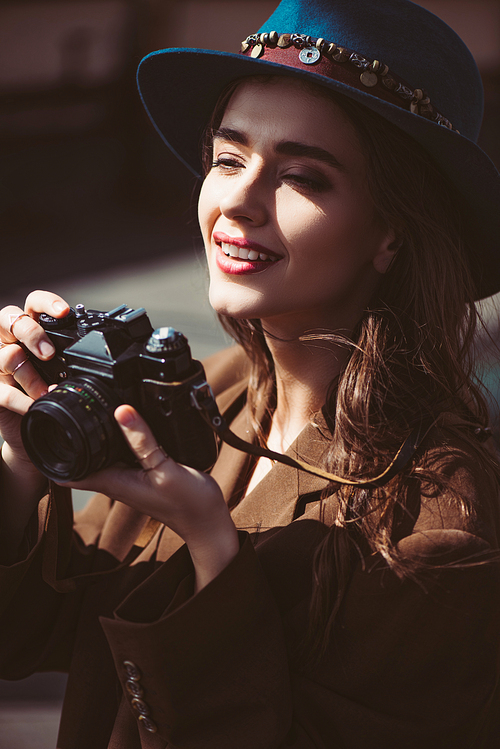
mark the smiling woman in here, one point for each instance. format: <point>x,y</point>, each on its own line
<point>296,192</point>
<point>261,605</point>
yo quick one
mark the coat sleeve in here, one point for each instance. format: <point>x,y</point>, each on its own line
<point>61,556</point>
<point>27,637</point>
<point>408,665</point>
<point>41,594</point>
<point>194,656</point>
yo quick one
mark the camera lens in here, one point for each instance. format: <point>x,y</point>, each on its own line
<point>71,431</point>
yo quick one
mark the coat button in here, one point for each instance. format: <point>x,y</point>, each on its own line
<point>148,724</point>
<point>141,706</point>
<point>132,671</point>
<point>134,688</point>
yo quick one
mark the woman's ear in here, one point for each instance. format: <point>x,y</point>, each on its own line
<point>387,252</point>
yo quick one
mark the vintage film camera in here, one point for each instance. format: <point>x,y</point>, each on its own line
<point>104,359</point>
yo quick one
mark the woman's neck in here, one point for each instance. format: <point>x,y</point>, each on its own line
<point>304,373</point>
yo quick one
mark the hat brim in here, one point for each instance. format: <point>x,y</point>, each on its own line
<point>180,87</point>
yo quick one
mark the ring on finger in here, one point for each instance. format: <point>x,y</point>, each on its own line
<point>163,458</point>
<point>14,318</point>
<point>11,374</point>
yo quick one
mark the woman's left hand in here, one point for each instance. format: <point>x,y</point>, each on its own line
<point>187,501</point>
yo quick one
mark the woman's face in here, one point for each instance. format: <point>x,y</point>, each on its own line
<point>287,220</point>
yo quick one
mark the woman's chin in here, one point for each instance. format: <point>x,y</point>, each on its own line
<point>237,307</point>
<point>235,312</point>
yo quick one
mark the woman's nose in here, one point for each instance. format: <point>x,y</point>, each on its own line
<point>246,198</point>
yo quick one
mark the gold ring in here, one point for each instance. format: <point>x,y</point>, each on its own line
<point>164,457</point>
<point>19,366</point>
<point>148,455</point>
<point>11,374</point>
<point>14,318</point>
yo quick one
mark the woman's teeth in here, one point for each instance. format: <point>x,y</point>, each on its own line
<point>243,254</point>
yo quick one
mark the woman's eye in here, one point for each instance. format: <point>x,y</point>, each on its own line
<point>226,163</point>
<point>314,184</point>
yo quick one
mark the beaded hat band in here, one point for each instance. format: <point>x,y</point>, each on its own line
<point>341,64</point>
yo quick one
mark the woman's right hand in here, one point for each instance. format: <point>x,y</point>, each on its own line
<point>21,484</point>
<point>18,326</point>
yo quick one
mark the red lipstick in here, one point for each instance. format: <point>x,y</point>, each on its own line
<point>239,266</point>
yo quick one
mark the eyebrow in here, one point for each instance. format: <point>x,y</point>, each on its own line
<point>287,148</point>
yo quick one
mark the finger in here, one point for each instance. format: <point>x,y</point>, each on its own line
<point>120,481</point>
<point>16,325</point>
<point>12,359</point>
<point>8,315</point>
<point>14,400</point>
<point>29,379</point>
<point>21,325</point>
<point>45,301</point>
<point>109,481</point>
<point>140,438</point>
<point>15,367</point>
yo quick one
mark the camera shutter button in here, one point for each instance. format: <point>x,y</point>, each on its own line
<point>165,339</point>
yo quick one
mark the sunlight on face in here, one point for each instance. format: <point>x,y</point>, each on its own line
<point>287,219</point>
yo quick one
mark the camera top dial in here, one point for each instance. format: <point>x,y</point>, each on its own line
<point>49,323</point>
<point>88,320</point>
<point>164,340</point>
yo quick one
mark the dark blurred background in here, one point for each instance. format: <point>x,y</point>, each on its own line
<point>86,184</point>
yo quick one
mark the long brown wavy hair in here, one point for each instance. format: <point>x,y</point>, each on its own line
<point>412,359</point>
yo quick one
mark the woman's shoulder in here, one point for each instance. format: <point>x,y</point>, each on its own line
<point>459,485</point>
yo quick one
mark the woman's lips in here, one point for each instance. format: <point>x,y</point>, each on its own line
<point>243,253</point>
<point>239,256</point>
<point>239,248</point>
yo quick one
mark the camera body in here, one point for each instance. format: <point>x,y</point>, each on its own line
<point>104,359</point>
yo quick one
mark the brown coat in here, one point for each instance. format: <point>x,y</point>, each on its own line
<point>406,668</point>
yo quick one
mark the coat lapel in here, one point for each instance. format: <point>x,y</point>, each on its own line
<point>285,493</point>
<point>275,499</point>
<point>232,466</point>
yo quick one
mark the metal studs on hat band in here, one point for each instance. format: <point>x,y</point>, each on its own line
<point>309,55</point>
<point>372,73</point>
<point>359,61</point>
<point>339,54</point>
<point>285,41</point>
<point>368,78</point>
<point>257,50</point>
<point>389,82</point>
<point>273,38</point>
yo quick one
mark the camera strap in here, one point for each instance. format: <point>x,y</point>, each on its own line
<point>203,399</point>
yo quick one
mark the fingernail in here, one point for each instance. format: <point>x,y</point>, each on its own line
<point>46,348</point>
<point>59,306</point>
<point>127,418</point>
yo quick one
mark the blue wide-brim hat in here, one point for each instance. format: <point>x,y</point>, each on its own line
<point>392,56</point>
